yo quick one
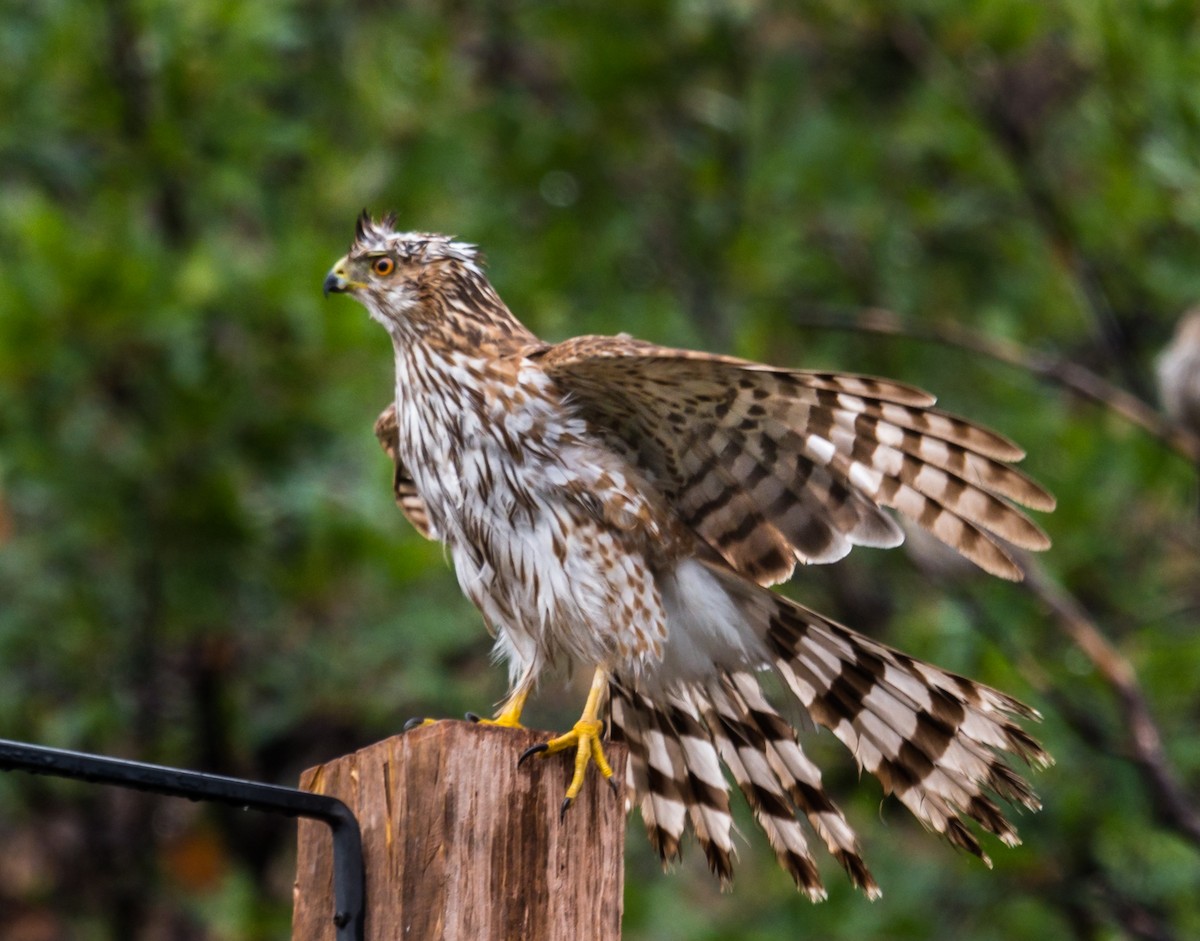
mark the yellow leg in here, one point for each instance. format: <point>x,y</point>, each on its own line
<point>584,738</point>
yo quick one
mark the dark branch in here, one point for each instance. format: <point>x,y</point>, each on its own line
<point>1048,367</point>
<point>1144,745</point>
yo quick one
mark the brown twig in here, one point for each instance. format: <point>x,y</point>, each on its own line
<point>1045,366</point>
<point>1144,746</point>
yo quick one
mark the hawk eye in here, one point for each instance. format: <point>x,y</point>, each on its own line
<point>383,266</point>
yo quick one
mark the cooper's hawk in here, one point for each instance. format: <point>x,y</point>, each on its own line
<point>620,506</point>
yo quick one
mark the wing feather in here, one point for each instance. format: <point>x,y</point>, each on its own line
<point>403,488</point>
<point>772,466</point>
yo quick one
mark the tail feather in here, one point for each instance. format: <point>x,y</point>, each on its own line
<point>774,761</point>
<point>934,739</point>
<point>706,791</point>
<point>744,751</point>
<point>931,737</point>
<point>886,727</point>
<point>675,771</point>
<point>660,798</point>
<point>803,780</point>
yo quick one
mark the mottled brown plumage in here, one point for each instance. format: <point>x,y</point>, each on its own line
<point>615,505</point>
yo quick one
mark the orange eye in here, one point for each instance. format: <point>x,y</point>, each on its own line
<point>383,266</point>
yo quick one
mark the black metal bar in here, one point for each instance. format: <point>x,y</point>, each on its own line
<point>349,878</point>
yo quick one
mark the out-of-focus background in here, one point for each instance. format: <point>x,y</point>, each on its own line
<point>200,562</point>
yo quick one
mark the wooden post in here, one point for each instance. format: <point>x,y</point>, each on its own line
<point>462,845</point>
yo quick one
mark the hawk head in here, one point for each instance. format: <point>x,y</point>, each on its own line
<point>395,274</point>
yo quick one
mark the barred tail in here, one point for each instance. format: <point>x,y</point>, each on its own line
<point>675,773</point>
<point>934,739</point>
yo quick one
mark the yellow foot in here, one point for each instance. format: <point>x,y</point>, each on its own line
<point>585,739</point>
<point>506,720</point>
<point>510,715</point>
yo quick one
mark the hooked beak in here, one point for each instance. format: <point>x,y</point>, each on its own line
<point>338,281</point>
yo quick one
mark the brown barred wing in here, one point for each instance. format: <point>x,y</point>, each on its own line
<point>403,488</point>
<point>772,467</point>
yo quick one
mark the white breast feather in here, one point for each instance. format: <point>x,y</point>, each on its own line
<point>552,580</point>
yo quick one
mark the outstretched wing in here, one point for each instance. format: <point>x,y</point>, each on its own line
<point>403,488</point>
<point>773,466</point>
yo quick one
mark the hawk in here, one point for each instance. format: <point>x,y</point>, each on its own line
<point>623,507</point>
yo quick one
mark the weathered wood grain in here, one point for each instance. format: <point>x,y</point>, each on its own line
<point>460,843</point>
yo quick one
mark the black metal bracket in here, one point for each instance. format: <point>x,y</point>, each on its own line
<point>349,877</point>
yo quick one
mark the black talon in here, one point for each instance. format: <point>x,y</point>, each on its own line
<point>471,717</point>
<point>414,722</point>
<point>612,782</point>
<point>562,811</point>
<point>536,749</point>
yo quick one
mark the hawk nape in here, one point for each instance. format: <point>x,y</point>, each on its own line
<point>620,506</point>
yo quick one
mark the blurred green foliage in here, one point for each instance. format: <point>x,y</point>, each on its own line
<point>200,563</point>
